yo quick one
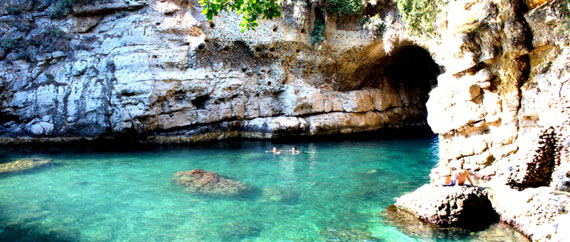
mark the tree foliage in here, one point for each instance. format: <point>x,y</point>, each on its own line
<point>344,7</point>
<point>419,15</point>
<point>250,10</point>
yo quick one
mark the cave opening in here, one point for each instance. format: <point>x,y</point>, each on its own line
<point>411,72</point>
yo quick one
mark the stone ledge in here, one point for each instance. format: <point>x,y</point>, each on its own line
<point>466,207</point>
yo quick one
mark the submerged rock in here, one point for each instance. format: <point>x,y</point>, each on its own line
<point>279,195</point>
<point>22,165</point>
<point>209,183</point>
<point>237,231</point>
<point>466,207</point>
<point>347,234</point>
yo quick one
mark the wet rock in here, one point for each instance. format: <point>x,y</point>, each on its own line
<point>209,183</point>
<point>22,165</point>
<point>279,195</point>
<point>346,234</point>
<point>466,207</point>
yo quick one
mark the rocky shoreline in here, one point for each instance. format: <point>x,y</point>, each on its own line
<point>541,213</point>
<point>491,82</point>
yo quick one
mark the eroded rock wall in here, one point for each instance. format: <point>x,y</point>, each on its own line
<point>161,71</point>
<point>502,108</point>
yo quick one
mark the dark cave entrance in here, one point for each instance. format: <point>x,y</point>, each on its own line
<point>411,72</point>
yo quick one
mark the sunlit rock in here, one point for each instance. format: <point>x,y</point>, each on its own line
<point>23,165</point>
<point>209,183</point>
<point>454,206</point>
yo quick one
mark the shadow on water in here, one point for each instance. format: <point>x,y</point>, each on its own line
<point>34,232</point>
<point>408,224</point>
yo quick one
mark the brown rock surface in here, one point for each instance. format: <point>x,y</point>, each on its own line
<point>209,183</point>
<point>22,165</point>
<point>455,206</point>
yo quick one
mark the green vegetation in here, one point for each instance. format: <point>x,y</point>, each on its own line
<point>344,7</point>
<point>251,10</point>
<point>419,15</point>
<point>566,13</point>
<point>317,36</point>
<point>13,10</point>
<point>62,8</point>
<point>8,44</point>
<point>375,25</point>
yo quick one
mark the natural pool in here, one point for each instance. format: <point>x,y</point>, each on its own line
<point>331,191</point>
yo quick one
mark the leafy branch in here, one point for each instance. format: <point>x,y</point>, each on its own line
<point>250,10</point>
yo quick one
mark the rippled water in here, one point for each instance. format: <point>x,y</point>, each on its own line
<point>332,191</point>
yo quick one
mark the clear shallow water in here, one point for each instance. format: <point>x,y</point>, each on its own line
<point>332,191</point>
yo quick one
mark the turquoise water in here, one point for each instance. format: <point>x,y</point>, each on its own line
<point>331,191</point>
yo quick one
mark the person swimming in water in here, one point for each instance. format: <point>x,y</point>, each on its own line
<point>294,150</point>
<point>275,150</point>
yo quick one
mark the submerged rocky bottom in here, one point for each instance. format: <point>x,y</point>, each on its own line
<point>331,191</point>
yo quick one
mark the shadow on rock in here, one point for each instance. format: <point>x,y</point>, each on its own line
<point>457,206</point>
<point>408,224</point>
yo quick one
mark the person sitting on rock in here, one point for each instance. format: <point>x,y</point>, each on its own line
<point>460,176</point>
<point>442,176</point>
<point>450,176</point>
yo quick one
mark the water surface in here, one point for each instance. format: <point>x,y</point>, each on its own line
<point>331,191</point>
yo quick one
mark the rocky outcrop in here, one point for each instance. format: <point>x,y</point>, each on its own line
<point>209,183</point>
<point>537,171</point>
<point>502,108</point>
<point>23,165</point>
<point>159,71</point>
<point>539,213</point>
<point>466,207</point>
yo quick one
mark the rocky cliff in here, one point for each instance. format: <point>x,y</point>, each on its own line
<point>160,71</point>
<point>496,72</point>
<point>502,109</point>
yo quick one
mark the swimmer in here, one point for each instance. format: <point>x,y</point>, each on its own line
<point>294,150</point>
<point>275,150</point>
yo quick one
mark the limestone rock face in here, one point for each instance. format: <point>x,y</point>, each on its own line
<point>449,206</point>
<point>539,213</point>
<point>502,108</point>
<point>22,165</point>
<point>161,71</point>
<point>209,183</point>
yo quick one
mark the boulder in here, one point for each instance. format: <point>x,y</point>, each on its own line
<point>22,165</point>
<point>466,207</point>
<point>209,183</point>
